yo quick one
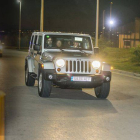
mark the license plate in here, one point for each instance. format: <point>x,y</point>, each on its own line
<point>77,78</point>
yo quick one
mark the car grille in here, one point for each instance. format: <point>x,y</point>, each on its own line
<point>78,66</point>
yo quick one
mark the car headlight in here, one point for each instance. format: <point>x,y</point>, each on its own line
<point>60,63</point>
<point>96,64</point>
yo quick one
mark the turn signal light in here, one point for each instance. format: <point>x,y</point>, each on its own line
<point>42,66</point>
<point>97,71</point>
<point>58,69</point>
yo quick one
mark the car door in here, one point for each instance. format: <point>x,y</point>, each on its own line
<point>33,42</point>
<point>37,55</point>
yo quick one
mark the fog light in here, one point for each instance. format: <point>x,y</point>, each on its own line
<point>58,69</point>
<point>50,77</point>
<point>107,79</point>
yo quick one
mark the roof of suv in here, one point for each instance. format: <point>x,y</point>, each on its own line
<point>59,33</point>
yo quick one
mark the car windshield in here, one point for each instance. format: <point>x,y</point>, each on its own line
<point>67,42</point>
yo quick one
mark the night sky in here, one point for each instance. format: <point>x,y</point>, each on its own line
<point>65,15</point>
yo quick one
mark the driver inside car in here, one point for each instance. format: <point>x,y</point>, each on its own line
<point>76,45</point>
<point>59,43</point>
<point>49,42</point>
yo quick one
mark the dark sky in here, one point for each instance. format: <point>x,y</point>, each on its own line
<point>65,15</point>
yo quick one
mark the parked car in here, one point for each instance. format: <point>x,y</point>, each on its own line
<point>66,60</point>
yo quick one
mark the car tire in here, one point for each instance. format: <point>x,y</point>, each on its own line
<point>102,91</point>
<point>44,86</point>
<point>29,80</point>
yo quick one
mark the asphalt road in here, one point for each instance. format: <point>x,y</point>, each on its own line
<point>68,114</point>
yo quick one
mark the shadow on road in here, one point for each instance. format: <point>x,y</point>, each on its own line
<point>76,94</point>
<point>24,102</point>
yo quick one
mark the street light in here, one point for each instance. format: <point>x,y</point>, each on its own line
<point>42,16</point>
<point>111,22</point>
<point>97,23</point>
<point>19,21</point>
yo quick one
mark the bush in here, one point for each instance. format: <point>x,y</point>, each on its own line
<point>136,54</point>
<point>103,43</point>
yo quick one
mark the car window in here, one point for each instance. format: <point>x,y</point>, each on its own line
<point>40,40</point>
<point>31,42</point>
<point>34,41</point>
<point>67,42</point>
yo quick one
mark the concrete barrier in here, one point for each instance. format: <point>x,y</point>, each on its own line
<point>2,120</point>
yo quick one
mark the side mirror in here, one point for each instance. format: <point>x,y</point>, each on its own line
<point>36,47</point>
<point>96,50</point>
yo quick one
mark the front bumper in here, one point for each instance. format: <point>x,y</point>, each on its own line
<point>65,79</point>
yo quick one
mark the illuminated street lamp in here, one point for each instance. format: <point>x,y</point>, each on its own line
<point>19,22</point>
<point>111,22</point>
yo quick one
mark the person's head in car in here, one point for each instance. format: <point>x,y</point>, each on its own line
<point>59,43</point>
<point>76,44</point>
<point>49,42</point>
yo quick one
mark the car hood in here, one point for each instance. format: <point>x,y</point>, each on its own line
<point>63,54</point>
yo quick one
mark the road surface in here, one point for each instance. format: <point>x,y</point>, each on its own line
<point>68,114</point>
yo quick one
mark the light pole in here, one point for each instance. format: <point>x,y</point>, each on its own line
<point>103,23</point>
<point>97,24</point>
<point>19,22</point>
<point>42,16</point>
<point>111,22</point>
<point>111,14</point>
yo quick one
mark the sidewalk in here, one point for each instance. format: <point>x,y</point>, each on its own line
<point>126,73</point>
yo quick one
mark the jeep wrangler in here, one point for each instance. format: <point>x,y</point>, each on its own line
<point>66,60</point>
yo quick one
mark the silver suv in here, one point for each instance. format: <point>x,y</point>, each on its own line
<point>66,60</point>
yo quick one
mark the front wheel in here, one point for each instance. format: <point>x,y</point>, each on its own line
<point>44,86</point>
<point>102,91</point>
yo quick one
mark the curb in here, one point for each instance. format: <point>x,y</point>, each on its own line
<point>2,120</point>
<point>126,73</point>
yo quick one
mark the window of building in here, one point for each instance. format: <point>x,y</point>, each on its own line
<point>127,43</point>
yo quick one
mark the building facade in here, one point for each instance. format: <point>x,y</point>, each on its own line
<point>129,35</point>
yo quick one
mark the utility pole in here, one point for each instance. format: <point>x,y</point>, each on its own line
<point>103,23</point>
<point>111,13</point>
<point>110,21</point>
<point>19,22</point>
<point>42,16</point>
<point>97,24</point>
